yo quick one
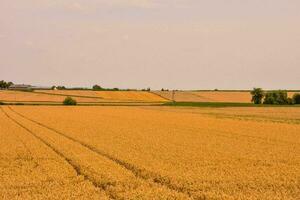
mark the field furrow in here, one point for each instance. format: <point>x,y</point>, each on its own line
<point>138,172</point>
<point>29,169</point>
<point>186,150</point>
<point>117,178</point>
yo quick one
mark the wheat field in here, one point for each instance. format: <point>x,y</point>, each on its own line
<point>82,97</point>
<point>111,95</point>
<point>209,96</point>
<point>23,97</point>
<point>149,153</point>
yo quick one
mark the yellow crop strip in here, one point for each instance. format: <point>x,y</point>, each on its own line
<point>23,97</point>
<point>163,153</point>
<point>142,96</point>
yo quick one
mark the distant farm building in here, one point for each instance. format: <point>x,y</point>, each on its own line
<point>21,87</point>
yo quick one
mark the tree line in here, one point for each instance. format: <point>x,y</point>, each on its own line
<point>278,97</point>
<point>5,85</point>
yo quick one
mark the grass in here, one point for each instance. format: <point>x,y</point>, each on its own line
<point>222,104</point>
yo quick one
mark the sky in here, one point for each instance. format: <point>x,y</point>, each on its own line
<point>175,44</point>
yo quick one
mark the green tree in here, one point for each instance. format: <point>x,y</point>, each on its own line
<point>296,98</point>
<point>5,85</point>
<point>257,95</point>
<point>279,97</point>
<point>97,87</point>
<point>2,84</point>
<point>9,84</point>
<point>61,87</point>
<point>69,101</point>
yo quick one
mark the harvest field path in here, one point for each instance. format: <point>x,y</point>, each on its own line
<point>151,152</point>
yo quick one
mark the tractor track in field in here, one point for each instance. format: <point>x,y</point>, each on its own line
<point>75,167</point>
<point>136,171</point>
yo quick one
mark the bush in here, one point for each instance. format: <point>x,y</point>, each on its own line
<point>97,87</point>
<point>61,88</point>
<point>69,101</point>
<point>257,95</point>
<point>296,98</point>
<point>290,101</point>
<point>1,103</point>
<point>277,97</point>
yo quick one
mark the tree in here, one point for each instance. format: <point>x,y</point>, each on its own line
<point>97,87</point>
<point>9,84</point>
<point>5,85</point>
<point>2,84</point>
<point>257,95</point>
<point>69,101</point>
<point>290,101</point>
<point>61,87</point>
<point>279,97</point>
<point>296,98</point>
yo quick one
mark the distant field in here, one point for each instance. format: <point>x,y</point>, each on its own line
<point>82,97</point>
<point>111,95</point>
<point>100,97</point>
<point>209,96</point>
<point>149,153</point>
<point>18,96</point>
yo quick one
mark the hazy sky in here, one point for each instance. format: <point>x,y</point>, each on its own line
<point>184,44</point>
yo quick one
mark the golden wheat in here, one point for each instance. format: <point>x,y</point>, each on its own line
<point>30,170</point>
<point>112,95</point>
<point>214,96</point>
<point>178,153</point>
<point>23,97</point>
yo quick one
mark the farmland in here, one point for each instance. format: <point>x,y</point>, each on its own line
<point>82,97</point>
<point>209,96</point>
<point>149,152</point>
<point>110,95</point>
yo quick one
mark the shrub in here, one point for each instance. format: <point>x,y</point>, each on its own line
<point>296,98</point>
<point>290,101</point>
<point>276,97</point>
<point>61,88</point>
<point>69,101</point>
<point>257,95</point>
<point>97,87</point>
